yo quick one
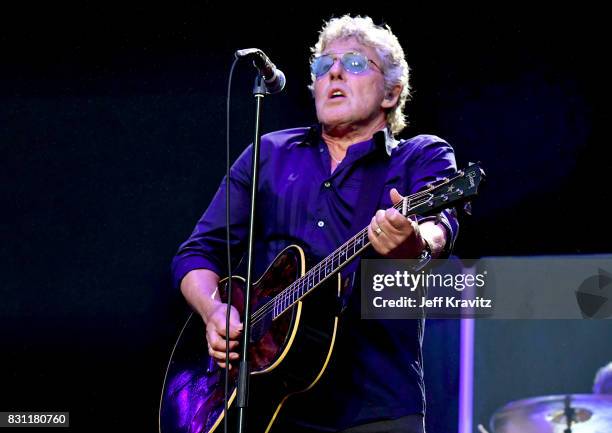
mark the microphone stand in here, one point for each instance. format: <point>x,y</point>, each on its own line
<point>259,91</point>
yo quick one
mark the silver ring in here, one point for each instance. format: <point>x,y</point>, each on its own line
<point>378,231</point>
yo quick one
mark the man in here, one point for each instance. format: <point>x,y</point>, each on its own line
<point>310,184</point>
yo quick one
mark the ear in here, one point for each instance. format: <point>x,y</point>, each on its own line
<point>392,96</point>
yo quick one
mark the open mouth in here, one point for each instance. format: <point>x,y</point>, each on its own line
<point>335,94</point>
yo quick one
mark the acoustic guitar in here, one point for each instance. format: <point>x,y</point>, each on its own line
<point>292,333</point>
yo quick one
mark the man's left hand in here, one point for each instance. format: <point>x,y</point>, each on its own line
<point>393,235</point>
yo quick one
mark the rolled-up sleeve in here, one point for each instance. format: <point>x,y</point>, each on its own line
<point>206,246</point>
<point>436,161</point>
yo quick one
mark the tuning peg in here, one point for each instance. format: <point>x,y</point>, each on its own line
<point>470,164</point>
<point>467,208</point>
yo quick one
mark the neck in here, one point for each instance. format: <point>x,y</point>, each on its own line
<point>340,137</point>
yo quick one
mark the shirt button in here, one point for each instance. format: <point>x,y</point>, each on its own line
<point>321,223</point>
<point>327,184</point>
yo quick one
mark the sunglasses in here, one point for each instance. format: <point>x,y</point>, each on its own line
<point>353,62</point>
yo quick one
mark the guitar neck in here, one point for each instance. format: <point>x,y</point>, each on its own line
<point>436,197</point>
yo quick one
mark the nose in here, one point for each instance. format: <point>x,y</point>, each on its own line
<point>336,71</point>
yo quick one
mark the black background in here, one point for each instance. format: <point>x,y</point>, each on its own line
<point>112,143</point>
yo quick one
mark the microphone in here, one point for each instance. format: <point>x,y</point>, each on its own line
<point>273,77</point>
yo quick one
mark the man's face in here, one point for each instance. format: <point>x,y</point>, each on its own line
<point>343,98</point>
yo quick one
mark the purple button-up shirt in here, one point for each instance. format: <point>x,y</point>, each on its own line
<point>301,201</point>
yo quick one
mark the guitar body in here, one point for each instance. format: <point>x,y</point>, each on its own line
<point>287,355</point>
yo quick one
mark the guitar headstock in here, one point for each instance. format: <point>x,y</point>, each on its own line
<point>445,193</point>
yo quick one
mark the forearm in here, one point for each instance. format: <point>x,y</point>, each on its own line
<point>198,288</point>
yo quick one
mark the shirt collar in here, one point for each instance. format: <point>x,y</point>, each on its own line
<point>384,136</point>
<point>390,141</point>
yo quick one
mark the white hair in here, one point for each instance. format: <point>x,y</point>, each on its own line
<point>394,66</point>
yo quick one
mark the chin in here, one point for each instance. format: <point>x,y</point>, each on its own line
<point>335,119</point>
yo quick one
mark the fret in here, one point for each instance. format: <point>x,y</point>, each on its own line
<point>285,299</point>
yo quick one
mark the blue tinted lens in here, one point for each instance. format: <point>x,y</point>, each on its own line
<point>355,62</point>
<point>321,65</point>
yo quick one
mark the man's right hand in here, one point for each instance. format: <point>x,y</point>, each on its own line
<point>199,288</point>
<point>215,333</point>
